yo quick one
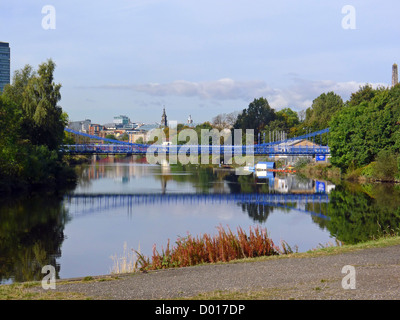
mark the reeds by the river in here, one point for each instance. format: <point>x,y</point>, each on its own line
<point>225,246</point>
<point>126,263</point>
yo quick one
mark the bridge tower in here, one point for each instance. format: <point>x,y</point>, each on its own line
<point>395,75</point>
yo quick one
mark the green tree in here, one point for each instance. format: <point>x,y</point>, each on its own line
<point>139,140</point>
<point>286,120</point>
<point>386,165</point>
<point>111,136</point>
<point>31,131</point>
<point>125,137</point>
<point>365,94</point>
<point>322,110</point>
<point>43,118</point>
<point>359,132</point>
<point>256,116</point>
<point>14,92</point>
<point>10,157</point>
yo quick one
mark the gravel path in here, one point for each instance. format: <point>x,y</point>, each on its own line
<point>377,277</point>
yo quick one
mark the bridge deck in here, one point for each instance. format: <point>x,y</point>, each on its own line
<point>193,150</point>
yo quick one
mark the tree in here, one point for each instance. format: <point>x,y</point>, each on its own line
<point>286,121</point>
<point>139,140</point>
<point>21,78</point>
<point>111,136</point>
<point>43,118</point>
<point>365,94</point>
<point>224,121</point>
<point>9,137</point>
<point>359,132</point>
<point>31,131</point>
<point>322,110</point>
<point>256,116</point>
<point>125,137</point>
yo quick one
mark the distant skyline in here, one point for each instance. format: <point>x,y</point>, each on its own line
<point>201,58</point>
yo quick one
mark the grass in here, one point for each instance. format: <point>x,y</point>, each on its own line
<point>33,290</point>
<point>127,263</point>
<point>21,291</point>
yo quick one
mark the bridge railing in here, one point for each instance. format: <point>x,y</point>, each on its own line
<point>190,149</point>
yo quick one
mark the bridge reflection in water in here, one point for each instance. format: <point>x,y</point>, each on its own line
<point>93,203</point>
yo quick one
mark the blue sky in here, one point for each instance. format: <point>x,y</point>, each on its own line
<point>203,58</point>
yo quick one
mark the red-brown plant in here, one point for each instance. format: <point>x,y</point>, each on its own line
<point>225,246</point>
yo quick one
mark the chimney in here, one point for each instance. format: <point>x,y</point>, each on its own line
<point>395,75</point>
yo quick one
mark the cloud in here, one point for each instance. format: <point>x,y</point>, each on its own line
<point>302,92</point>
<point>223,89</point>
<point>298,95</point>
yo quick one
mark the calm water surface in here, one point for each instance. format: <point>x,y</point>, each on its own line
<point>130,202</point>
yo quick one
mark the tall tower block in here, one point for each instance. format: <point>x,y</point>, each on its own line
<point>395,75</point>
<point>4,64</point>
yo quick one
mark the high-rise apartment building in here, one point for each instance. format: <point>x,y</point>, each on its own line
<point>4,65</point>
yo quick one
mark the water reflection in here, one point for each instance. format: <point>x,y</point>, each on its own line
<point>31,235</point>
<point>46,230</point>
<point>359,212</point>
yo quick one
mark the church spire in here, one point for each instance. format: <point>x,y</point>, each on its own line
<point>164,122</point>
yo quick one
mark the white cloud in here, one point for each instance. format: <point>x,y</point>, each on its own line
<point>223,89</point>
<point>298,95</point>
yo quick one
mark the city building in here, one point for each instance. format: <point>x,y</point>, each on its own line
<point>110,126</point>
<point>94,129</point>
<point>82,126</point>
<point>121,121</point>
<point>4,65</point>
<point>143,133</point>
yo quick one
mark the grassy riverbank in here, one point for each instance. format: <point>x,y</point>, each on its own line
<point>23,291</point>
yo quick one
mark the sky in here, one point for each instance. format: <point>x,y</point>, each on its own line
<point>201,58</point>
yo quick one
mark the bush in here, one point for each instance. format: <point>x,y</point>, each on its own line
<point>398,163</point>
<point>368,171</point>
<point>386,166</point>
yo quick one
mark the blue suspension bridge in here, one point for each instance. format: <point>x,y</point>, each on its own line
<point>282,147</point>
<point>93,203</point>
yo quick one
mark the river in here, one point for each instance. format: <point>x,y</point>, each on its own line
<point>127,203</point>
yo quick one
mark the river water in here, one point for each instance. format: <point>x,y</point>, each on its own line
<point>127,203</point>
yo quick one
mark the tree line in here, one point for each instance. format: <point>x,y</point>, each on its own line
<point>364,130</point>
